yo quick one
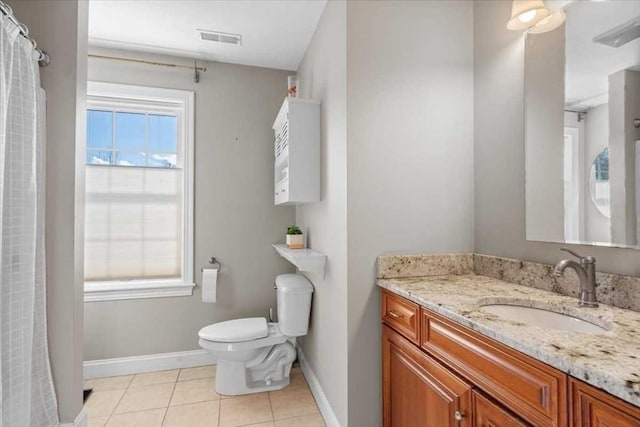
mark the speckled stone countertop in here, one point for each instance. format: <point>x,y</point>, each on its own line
<point>610,360</point>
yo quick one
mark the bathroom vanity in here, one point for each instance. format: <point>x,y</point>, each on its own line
<point>447,361</point>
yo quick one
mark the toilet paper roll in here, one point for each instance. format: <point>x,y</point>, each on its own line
<point>209,284</point>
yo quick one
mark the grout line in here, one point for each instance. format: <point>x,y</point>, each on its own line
<point>219,412</point>
<point>119,400</point>
<point>273,416</point>
<point>166,410</point>
<point>193,403</point>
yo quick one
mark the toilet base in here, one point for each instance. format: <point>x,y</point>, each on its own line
<point>268,371</point>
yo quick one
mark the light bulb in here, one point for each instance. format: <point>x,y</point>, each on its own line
<point>527,16</point>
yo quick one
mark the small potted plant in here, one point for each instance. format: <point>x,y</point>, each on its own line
<point>295,238</point>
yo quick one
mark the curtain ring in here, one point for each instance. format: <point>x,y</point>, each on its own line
<point>23,29</point>
<point>8,9</point>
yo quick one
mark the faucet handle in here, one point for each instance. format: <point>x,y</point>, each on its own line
<point>577,255</point>
<point>583,259</point>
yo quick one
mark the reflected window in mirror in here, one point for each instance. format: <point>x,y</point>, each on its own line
<point>599,183</point>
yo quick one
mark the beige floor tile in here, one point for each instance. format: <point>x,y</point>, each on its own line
<point>149,378</point>
<point>98,421</point>
<point>314,420</point>
<point>110,383</point>
<point>194,391</point>
<point>245,410</point>
<point>203,414</point>
<point>102,403</point>
<point>269,424</point>
<point>197,373</point>
<point>297,379</point>
<point>145,397</point>
<point>152,418</point>
<point>292,402</point>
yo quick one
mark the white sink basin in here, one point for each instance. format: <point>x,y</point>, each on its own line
<point>543,318</point>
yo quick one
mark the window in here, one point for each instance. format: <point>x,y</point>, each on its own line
<point>139,192</point>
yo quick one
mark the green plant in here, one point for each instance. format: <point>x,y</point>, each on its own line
<point>294,229</point>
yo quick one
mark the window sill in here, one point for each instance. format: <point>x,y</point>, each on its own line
<point>110,291</point>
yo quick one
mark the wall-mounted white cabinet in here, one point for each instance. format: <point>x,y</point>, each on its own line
<point>297,152</point>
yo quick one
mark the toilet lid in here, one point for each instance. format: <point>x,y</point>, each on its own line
<point>236,330</point>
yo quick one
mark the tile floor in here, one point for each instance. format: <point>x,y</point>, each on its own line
<point>186,398</point>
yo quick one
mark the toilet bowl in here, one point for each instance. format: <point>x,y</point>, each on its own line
<point>254,355</point>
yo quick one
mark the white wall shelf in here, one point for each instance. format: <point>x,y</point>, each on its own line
<point>297,152</point>
<point>305,259</point>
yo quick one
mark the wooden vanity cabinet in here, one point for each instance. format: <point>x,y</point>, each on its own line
<point>529,388</point>
<point>487,413</point>
<point>418,391</point>
<point>594,408</point>
<point>455,377</point>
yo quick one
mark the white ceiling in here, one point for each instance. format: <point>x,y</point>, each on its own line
<point>275,33</point>
<point>589,64</point>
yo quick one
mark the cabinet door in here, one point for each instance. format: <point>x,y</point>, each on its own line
<point>594,408</point>
<point>489,414</point>
<point>417,390</point>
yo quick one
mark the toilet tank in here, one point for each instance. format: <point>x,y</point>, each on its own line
<point>294,304</point>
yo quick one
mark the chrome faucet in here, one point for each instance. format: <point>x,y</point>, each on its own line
<point>586,271</point>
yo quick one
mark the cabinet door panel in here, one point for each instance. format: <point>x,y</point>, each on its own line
<point>417,390</point>
<point>488,414</point>
<point>594,408</point>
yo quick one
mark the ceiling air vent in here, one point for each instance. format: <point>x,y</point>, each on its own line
<point>216,36</point>
<point>621,34</point>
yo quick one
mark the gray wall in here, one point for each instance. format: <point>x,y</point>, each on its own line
<point>235,217</point>
<point>61,29</point>
<point>322,75</point>
<point>499,149</point>
<point>410,157</point>
<point>544,97</point>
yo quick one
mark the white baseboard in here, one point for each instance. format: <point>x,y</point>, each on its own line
<point>82,420</point>
<point>149,363</point>
<point>329,416</point>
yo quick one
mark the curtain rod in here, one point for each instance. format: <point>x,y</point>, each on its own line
<point>195,68</point>
<point>43,58</point>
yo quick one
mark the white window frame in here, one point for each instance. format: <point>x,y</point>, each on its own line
<point>153,288</point>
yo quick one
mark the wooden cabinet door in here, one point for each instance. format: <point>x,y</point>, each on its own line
<point>417,390</point>
<point>489,414</point>
<point>594,408</point>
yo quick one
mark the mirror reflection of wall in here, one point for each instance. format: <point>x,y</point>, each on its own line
<point>582,94</point>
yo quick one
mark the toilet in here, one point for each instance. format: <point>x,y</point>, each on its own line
<point>254,355</point>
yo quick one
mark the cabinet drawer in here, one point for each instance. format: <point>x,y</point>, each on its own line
<point>531,389</point>
<point>402,315</point>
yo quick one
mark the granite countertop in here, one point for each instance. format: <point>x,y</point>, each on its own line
<point>609,360</point>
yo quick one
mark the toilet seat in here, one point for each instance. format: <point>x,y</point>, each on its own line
<point>272,337</point>
<point>236,330</point>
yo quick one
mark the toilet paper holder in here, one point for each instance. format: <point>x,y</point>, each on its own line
<point>214,262</point>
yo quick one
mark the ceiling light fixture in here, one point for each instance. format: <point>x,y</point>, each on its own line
<point>526,13</point>
<point>534,17</point>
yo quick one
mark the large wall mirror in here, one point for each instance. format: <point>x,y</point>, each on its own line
<point>582,103</point>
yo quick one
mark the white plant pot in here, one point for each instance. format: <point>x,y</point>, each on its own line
<point>295,241</point>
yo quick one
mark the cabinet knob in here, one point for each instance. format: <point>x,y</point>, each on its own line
<point>458,416</point>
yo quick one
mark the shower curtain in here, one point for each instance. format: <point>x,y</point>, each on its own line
<point>26,388</point>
